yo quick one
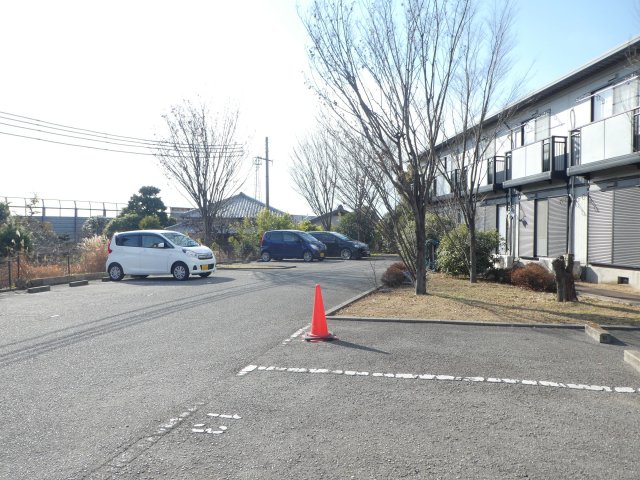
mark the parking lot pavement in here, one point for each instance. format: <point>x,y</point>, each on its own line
<point>418,400</point>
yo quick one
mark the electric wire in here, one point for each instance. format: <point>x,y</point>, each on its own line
<point>105,138</point>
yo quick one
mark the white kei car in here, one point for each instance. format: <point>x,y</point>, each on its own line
<point>157,252</point>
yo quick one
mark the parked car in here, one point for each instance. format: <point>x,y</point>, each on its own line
<point>279,244</point>
<point>339,245</point>
<point>157,252</point>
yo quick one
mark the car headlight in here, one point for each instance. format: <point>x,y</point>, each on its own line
<point>189,253</point>
<point>314,247</point>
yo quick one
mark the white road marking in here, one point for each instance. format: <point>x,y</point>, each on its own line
<point>450,378</point>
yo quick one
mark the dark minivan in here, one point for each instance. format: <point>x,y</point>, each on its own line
<point>279,244</point>
<point>339,245</point>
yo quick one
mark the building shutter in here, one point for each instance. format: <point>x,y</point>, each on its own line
<point>490,218</point>
<point>526,228</point>
<point>480,214</point>
<point>558,213</point>
<point>542,227</point>
<point>600,227</point>
<point>626,227</point>
<point>502,226</point>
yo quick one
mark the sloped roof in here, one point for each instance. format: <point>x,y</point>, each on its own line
<point>237,207</point>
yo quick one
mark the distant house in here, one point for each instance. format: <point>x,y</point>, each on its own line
<point>233,210</point>
<point>334,214</point>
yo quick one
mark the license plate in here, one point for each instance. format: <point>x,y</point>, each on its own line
<point>322,254</point>
<point>204,267</point>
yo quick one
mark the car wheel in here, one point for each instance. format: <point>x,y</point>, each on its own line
<point>345,254</point>
<point>180,271</point>
<point>115,272</point>
<point>307,256</point>
<point>265,256</point>
<point>204,275</point>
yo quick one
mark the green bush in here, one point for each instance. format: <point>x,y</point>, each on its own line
<point>245,242</point>
<point>534,277</point>
<point>150,222</point>
<point>94,226</point>
<point>124,223</point>
<point>454,248</point>
<point>13,238</point>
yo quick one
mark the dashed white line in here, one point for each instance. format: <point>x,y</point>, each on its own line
<point>450,378</point>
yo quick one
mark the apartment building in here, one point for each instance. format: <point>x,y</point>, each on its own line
<point>560,171</point>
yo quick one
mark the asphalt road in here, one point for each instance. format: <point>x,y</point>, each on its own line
<point>210,379</point>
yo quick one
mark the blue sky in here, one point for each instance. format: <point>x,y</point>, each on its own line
<point>117,66</point>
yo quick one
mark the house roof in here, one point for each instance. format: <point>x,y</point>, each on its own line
<point>337,212</point>
<point>237,207</point>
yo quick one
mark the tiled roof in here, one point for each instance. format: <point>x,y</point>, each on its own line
<point>237,207</point>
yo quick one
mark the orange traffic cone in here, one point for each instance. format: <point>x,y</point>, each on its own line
<point>319,330</point>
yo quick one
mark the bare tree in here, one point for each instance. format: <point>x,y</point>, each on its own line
<point>314,173</point>
<point>475,92</point>
<point>356,188</point>
<point>385,69</point>
<point>203,155</point>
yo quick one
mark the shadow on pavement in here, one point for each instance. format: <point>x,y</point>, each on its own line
<point>342,343</point>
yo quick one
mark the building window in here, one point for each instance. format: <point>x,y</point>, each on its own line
<point>614,100</point>
<point>543,127</point>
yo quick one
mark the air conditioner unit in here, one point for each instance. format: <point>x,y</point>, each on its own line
<point>504,261</point>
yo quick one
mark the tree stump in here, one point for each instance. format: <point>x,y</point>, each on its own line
<point>566,288</point>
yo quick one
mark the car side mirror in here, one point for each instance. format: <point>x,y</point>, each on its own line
<point>161,245</point>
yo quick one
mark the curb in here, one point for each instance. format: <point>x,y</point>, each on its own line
<point>632,357</point>
<point>573,326</point>
<point>349,302</point>
<point>598,333</point>
<point>42,288</point>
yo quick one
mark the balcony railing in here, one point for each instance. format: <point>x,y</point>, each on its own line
<point>545,156</point>
<point>496,170</point>
<point>609,138</point>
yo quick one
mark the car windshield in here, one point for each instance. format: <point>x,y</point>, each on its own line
<point>341,236</point>
<point>180,239</point>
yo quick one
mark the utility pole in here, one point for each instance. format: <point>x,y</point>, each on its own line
<point>257,162</point>
<point>266,157</point>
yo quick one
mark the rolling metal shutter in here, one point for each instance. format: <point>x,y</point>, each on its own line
<point>526,228</point>
<point>558,220</point>
<point>542,227</point>
<point>480,214</point>
<point>490,218</point>
<point>626,227</point>
<point>600,227</point>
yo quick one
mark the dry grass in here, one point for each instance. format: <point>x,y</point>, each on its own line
<point>456,299</point>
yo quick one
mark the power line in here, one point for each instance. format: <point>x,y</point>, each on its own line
<point>239,152</point>
<point>106,138</point>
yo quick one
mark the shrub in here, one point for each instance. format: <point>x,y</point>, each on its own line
<point>94,226</point>
<point>534,277</point>
<point>499,275</point>
<point>395,275</point>
<point>123,223</point>
<point>454,249</point>
<point>150,222</point>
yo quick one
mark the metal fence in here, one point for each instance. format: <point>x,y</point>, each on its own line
<point>17,269</point>
<point>65,216</point>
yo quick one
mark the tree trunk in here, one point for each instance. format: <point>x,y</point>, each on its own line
<point>564,279</point>
<point>421,267</point>
<point>473,275</point>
